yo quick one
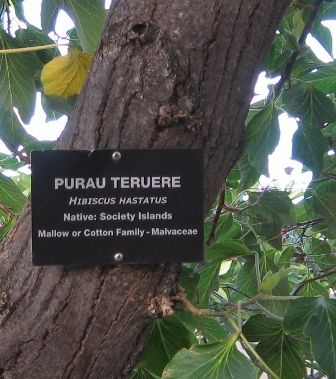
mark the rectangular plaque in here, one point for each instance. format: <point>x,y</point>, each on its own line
<point>107,206</point>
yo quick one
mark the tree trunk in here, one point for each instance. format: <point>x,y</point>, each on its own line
<point>166,74</point>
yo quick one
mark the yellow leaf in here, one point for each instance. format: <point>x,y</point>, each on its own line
<point>64,75</point>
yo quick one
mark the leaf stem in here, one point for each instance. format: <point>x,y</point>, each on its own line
<point>269,313</point>
<point>281,298</point>
<point>31,48</point>
<point>252,350</point>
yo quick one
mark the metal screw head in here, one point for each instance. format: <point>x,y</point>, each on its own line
<point>116,156</point>
<point>118,257</point>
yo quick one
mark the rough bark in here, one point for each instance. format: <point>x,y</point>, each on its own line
<point>166,74</point>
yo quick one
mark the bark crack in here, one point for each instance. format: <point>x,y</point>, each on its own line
<point>124,115</point>
<point>107,332</point>
<point>53,323</point>
<point>93,312</point>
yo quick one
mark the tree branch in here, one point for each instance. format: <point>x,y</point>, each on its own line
<point>221,205</point>
<point>292,59</point>
<point>305,282</point>
<point>217,215</point>
<point>251,205</point>
<point>303,225</point>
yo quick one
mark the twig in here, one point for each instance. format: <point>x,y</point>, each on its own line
<point>257,266</point>
<point>292,59</point>
<point>228,286</point>
<point>6,210</point>
<point>248,206</point>
<point>182,298</point>
<point>305,282</point>
<point>304,225</point>
<point>217,215</point>
<point>221,205</point>
<point>329,175</point>
<point>189,306</point>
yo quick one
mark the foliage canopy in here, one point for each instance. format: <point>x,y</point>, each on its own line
<point>269,274</point>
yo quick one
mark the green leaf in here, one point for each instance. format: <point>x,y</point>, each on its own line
<point>313,107</point>
<point>17,4</point>
<point>73,38</point>
<point>323,36</point>
<point>23,181</point>
<point>323,78</point>
<point>208,282</point>
<point>213,361</point>
<point>56,107</point>
<point>9,162</point>
<point>49,12</point>
<point>168,335</point>
<point>248,174</point>
<point>269,282</point>
<point>306,62</point>
<point>143,373</point>
<point>281,289</point>
<point>272,203</point>
<point>321,253</point>
<point>10,195</point>
<point>321,328</point>
<point>317,318</point>
<point>314,288</point>
<point>246,280</point>
<point>292,23</point>
<point>6,228</point>
<point>224,224</point>
<point>206,328</point>
<point>227,228</point>
<point>324,204</point>
<point>328,10</point>
<point>278,56</point>
<point>298,313</point>
<point>87,15</point>
<point>274,210</point>
<point>280,351</point>
<point>283,354</point>
<point>14,135</point>
<point>218,252</point>
<point>286,256</point>
<point>309,146</point>
<point>17,85</point>
<point>260,327</point>
<point>330,164</point>
<point>188,280</point>
<point>33,36</point>
<point>262,136</point>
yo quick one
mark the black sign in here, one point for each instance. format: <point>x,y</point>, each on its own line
<point>104,206</point>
